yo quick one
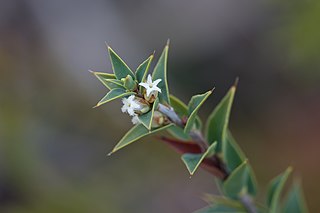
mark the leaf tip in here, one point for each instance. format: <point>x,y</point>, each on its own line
<point>110,153</point>
<point>168,42</point>
<point>95,106</point>
<point>235,84</point>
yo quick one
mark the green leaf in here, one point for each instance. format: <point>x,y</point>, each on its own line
<point>295,202</point>
<point>220,208</point>
<point>114,84</point>
<point>114,94</point>
<point>182,110</point>
<point>160,72</point>
<point>232,153</point>
<point>103,77</point>
<point>146,119</point>
<point>234,157</point>
<point>178,133</point>
<point>193,107</point>
<point>120,68</point>
<point>237,181</point>
<point>222,204</point>
<point>217,123</point>
<point>135,134</point>
<point>142,70</point>
<point>193,161</point>
<point>275,189</point>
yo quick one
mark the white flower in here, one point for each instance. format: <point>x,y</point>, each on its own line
<point>135,119</point>
<point>151,86</point>
<point>129,105</point>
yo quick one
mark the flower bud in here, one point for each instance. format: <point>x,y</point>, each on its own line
<point>152,96</point>
<point>158,119</point>
<point>143,108</point>
<point>129,83</point>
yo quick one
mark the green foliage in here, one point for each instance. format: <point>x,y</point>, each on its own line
<point>218,152</point>
<point>104,77</point>
<point>114,84</point>
<point>182,110</point>
<point>217,123</point>
<point>135,134</point>
<point>237,181</point>
<point>222,204</point>
<point>160,72</point>
<point>146,119</point>
<point>295,202</point>
<point>143,68</point>
<point>114,94</point>
<point>234,157</point>
<point>275,189</point>
<point>119,67</point>
<point>193,107</point>
<point>193,161</point>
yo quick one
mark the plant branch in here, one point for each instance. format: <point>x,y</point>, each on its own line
<point>197,136</point>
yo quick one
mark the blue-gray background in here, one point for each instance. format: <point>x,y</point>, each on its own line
<point>53,145</point>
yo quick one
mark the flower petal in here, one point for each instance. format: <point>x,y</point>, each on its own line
<point>156,82</point>
<point>149,79</point>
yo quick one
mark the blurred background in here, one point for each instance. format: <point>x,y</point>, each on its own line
<point>53,145</point>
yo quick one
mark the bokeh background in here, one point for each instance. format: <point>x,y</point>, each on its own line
<point>53,145</point>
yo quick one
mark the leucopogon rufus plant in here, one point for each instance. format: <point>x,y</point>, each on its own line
<point>146,98</point>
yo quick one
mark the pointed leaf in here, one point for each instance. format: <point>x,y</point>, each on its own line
<point>114,84</point>
<point>146,119</point>
<point>295,202</point>
<point>182,110</point>
<point>103,77</point>
<point>120,68</point>
<point>233,157</point>
<point>142,70</point>
<point>160,72</point>
<point>237,181</point>
<point>217,123</point>
<point>193,107</point>
<point>193,161</point>
<point>135,134</point>
<point>114,94</point>
<point>275,189</point>
<point>178,133</point>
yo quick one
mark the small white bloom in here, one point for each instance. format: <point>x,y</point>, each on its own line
<point>151,86</point>
<point>129,105</point>
<point>135,119</point>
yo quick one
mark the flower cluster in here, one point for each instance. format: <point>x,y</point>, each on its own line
<point>135,106</point>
